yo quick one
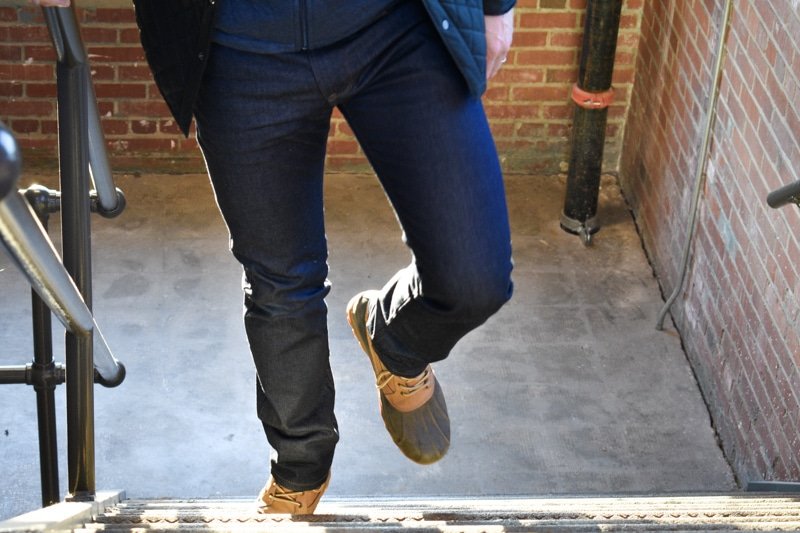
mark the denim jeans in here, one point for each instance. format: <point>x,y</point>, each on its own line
<point>262,124</point>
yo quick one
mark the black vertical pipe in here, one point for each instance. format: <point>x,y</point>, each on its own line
<point>45,401</point>
<point>45,395</point>
<point>72,76</point>
<point>589,124</point>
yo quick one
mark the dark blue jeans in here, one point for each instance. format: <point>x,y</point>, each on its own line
<point>262,123</point>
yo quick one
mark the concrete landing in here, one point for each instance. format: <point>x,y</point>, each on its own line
<point>568,390</point>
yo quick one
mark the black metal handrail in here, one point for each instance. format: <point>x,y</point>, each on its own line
<point>65,35</point>
<point>788,194</point>
<point>63,286</point>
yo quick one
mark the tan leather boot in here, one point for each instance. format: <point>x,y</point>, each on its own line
<point>413,409</point>
<point>274,498</point>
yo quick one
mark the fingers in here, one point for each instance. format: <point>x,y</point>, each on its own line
<point>495,57</point>
<point>499,34</point>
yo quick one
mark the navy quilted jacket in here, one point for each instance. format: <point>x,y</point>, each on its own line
<point>460,23</point>
<point>176,37</point>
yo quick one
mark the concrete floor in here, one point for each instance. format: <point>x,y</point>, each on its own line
<point>568,390</point>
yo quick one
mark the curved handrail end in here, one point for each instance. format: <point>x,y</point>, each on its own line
<point>787,194</point>
<point>10,162</point>
<point>113,381</point>
<point>113,212</point>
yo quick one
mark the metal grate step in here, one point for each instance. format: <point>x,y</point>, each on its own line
<point>714,512</point>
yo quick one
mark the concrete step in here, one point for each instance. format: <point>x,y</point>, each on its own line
<point>689,512</point>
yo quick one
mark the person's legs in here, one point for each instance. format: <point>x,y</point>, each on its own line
<point>263,128</point>
<point>262,125</point>
<point>430,144</point>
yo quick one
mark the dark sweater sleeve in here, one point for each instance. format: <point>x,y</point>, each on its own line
<point>497,7</point>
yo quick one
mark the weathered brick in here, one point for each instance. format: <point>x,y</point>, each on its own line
<point>120,90</point>
<point>11,53</point>
<point>11,89</point>
<point>144,126</point>
<point>743,261</point>
<point>93,34</point>
<point>23,126</point>
<point>115,16</point>
<point>552,4</point>
<point>40,90</point>
<point>8,14</point>
<point>116,54</point>
<point>39,53</point>
<point>26,108</point>
<point>22,72</point>
<point>114,127</point>
<point>28,33</point>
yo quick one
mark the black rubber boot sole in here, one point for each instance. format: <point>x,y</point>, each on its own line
<point>423,435</point>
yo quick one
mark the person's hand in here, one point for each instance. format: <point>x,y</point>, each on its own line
<point>499,32</point>
<point>50,3</point>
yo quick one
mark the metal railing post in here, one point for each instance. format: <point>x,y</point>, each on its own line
<point>72,79</point>
<point>45,400</point>
<point>45,390</point>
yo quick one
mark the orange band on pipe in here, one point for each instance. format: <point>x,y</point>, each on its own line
<point>588,100</point>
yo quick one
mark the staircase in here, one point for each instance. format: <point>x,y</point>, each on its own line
<point>688,512</point>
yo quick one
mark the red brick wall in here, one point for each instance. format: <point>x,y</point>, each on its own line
<point>528,103</point>
<point>739,315</point>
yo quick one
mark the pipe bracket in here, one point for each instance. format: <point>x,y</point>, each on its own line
<point>584,229</point>
<point>589,100</point>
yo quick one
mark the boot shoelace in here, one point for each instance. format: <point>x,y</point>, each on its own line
<point>406,386</point>
<point>289,496</point>
<point>286,496</point>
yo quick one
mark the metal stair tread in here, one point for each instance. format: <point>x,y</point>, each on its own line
<point>740,511</point>
<point>686,512</point>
